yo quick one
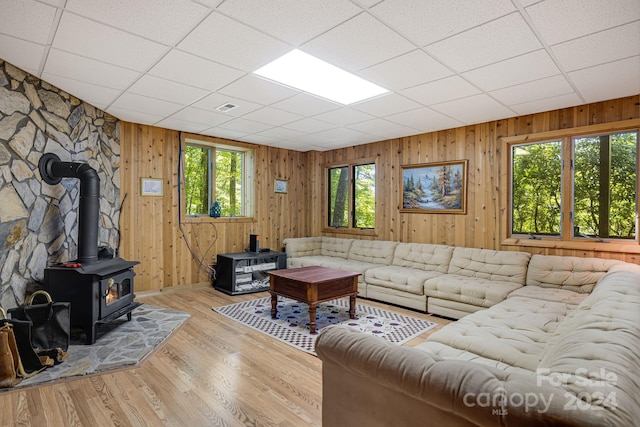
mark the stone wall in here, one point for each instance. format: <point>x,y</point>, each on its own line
<point>38,222</point>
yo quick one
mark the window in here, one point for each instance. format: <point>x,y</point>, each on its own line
<point>536,189</point>
<point>576,187</point>
<point>352,206</point>
<point>216,172</point>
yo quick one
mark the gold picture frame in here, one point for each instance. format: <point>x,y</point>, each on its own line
<point>280,186</point>
<point>439,187</point>
<point>151,187</point>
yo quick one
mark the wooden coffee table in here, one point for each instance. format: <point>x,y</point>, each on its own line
<point>312,285</point>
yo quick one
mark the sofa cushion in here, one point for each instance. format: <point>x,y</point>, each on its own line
<point>565,272</point>
<point>400,278</point>
<point>514,332</point>
<point>372,251</point>
<point>330,262</point>
<point>474,291</point>
<point>336,247</point>
<point>594,353</point>
<point>488,264</point>
<point>302,246</point>
<point>422,256</point>
<point>549,294</point>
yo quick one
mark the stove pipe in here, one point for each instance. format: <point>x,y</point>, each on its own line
<point>52,171</point>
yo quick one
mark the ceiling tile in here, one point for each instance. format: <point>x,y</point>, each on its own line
<point>292,21</point>
<point>608,81</point>
<point>145,104</point>
<point>358,43</point>
<point>343,135</point>
<point>424,120</point>
<point>228,42</point>
<point>272,116</point>
<point>280,133</point>
<point>158,88</point>
<point>211,4</point>
<point>259,139</point>
<point>23,54</point>
<point>258,90</point>
<point>492,42</point>
<point>425,22</point>
<point>98,96</point>
<point>383,128</point>
<point>94,40</point>
<point>27,20</point>
<point>224,133</point>
<point>532,91</point>
<point>599,48</point>
<point>182,125</point>
<point>547,104</point>
<point>410,69</point>
<point>88,70</point>
<point>195,71</point>
<point>474,109</point>
<point>167,23</point>
<point>213,101</point>
<point>513,71</point>
<point>196,115</point>
<point>306,104</point>
<point>132,116</point>
<point>309,125</point>
<point>244,125</point>
<point>386,104</point>
<point>440,91</point>
<point>553,18</point>
<point>343,116</point>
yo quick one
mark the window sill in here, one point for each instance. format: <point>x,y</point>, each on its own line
<point>352,231</point>
<point>222,219</point>
<point>587,245</point>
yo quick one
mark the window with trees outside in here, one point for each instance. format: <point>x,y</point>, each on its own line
<point>216,172</point>
<point>576,187</point>
<point>352,196</point>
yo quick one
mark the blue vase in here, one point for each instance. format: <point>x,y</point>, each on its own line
<point>216,210</point>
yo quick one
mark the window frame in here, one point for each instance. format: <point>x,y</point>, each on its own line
<point>326,204</point>
<point>248,174</point>
<point>566,239</point>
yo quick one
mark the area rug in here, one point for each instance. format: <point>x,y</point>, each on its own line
<point>119,344</point>
<point>292,323</point>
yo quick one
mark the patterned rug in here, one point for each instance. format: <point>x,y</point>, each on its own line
<point>119,344</point>
<point>292,323</point>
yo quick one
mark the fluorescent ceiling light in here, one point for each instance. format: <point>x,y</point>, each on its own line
<point>305,72</point>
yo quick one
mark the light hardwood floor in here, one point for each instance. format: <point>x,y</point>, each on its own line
<point>211,372</point>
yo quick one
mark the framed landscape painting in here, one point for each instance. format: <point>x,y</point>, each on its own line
<point>435,187</point>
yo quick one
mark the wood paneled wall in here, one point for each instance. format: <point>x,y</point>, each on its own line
<point>152,235</point>
<point>481,145</point>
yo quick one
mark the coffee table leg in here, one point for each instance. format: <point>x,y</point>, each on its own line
<point>274,305</point>
<point>312,318</point>
<point>352,306</point>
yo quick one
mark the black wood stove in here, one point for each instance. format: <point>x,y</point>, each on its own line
<point>100,289</point>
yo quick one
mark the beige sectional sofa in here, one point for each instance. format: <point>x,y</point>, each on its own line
<point>544,357</point>
<point>445,280</point>
<point>540,340</point>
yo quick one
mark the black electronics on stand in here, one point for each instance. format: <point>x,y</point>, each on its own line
<point>254,243</point>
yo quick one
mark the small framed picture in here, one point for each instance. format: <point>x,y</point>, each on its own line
<point>281,185</point>
<point>150,187</point>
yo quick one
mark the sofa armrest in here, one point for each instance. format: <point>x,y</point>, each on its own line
<point>368,381</point>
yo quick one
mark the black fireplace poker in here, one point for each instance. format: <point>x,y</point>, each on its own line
<point>52,170</point>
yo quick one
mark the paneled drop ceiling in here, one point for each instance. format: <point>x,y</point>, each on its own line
<point>446,63</point>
